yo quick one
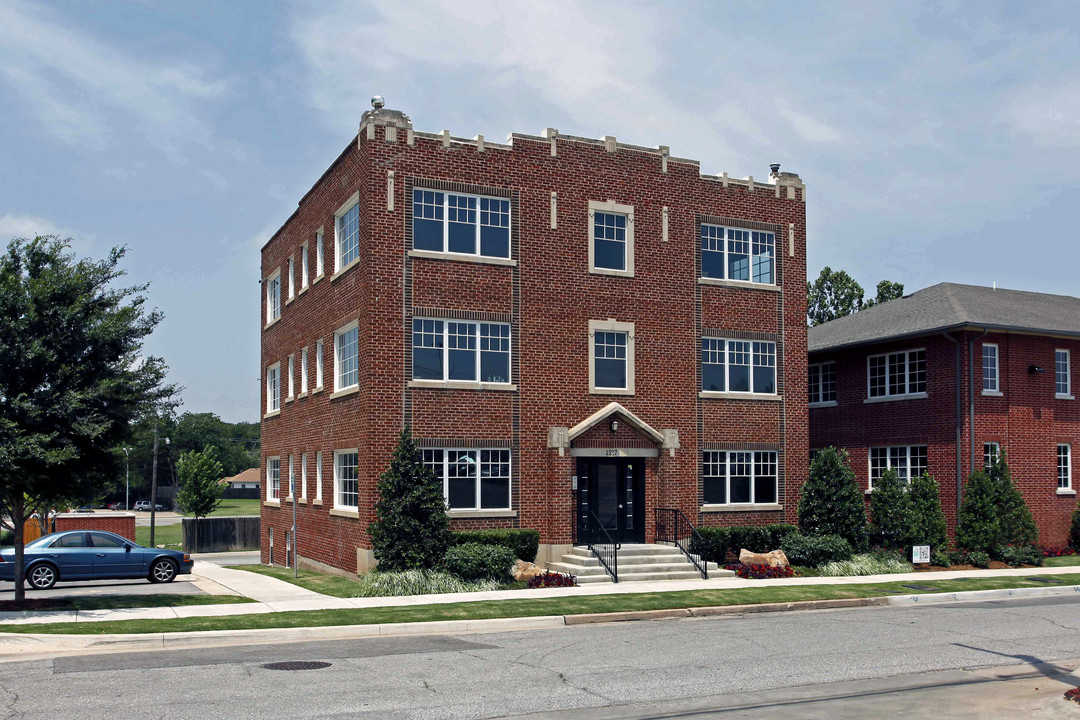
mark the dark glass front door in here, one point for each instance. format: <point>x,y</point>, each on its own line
<point>611,495</point>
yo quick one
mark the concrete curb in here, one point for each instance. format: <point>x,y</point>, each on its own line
<point>713,611</point>
<point>975,595</point>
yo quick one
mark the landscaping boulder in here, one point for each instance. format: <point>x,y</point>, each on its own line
<point>526,570</point>
<point>776,558</point>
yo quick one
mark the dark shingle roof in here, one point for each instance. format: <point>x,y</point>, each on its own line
<point>948,305</point>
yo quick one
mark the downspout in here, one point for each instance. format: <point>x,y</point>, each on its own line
<point>971,391</point>
<point>959,417</point>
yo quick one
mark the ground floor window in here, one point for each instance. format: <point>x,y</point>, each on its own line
<point>991,454</point>
<point>1064,467</point>
<point>346,480</point>
<point>907,461</point>
<point>273,478</point>
<point>740,477</point>
<point>472,479</point>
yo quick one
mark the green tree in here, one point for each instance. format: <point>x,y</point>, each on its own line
<point>993,513</point>
<point>834,294</point>
<point>412,529</point>
<point>1074,529</point>
<point>200,484</point>
<point>831,503</point>
<point>927,517</point>
<point>890,511</point>
<point>886,290</point>
<point>71,379</point>
<point>976,521</point>
<point>1015,523</point>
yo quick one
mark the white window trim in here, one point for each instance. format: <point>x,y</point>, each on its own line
<point>611,325</point>
<point>996,390</point>
<point>823,403</point>
<point>1068,489</point>
<point>446,382</point>
<point>292,478</point>
<point>337,333</point>
<point>749,394</point>
<point>476,256</point>
<point>318,477</point>
<point>704,280</point>
<point>271,318</point>
<point>888,462</point>
<point>304,366</point>
<point>907,376</point>
<point>337,480</point>
<point>753,476</point>
<point>292,278</point>
<point>444,477</point>
<point>997,451</point>
<point>270,485</point>
<point>320,254</point>
<point>320,358</point>
<point>611,206</point>
<point>1068,375</point>
<point>353,200</point>
<point>271,396</point>
<point>292,377</point>
<point>303,476</point>
<point>304,269</point>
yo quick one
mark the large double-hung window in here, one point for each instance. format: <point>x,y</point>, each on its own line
<point>738,366</point>
<point>896,374</point>
<point>729,253</point>
<point>1062,374</point>
<point>273,478</point>
<point>461,351</point>
<point>346,357</point>
<point>346,480</point>
<point>462,224</point>
<point>347,233</point>
<point>821,387</point>
<point>273,297</point>
<point>991,374</point>
<point>472,479</point>
<point>273,388</point>
<point>738,477</point>
<point>907,461</point>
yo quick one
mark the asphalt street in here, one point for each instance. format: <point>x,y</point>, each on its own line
<point>796,664</point>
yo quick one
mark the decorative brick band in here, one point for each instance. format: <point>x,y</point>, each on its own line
<point>612,444</point>
<point>739,335</point>
<point>462,443</point>
<point>735,222</point>
<point>448,186</point>
<point>775,447</point>
<point>480,316</point>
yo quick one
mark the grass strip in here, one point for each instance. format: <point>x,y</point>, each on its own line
<point>111,602</point>
<point>1063,561</point>
<point>526,607</point>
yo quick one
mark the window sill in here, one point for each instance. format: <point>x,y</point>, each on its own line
<point>894,398</point>
<point>613,273</point>
<point>1066,491</point>
<point>993,393</point>
<point>747,284</point>
<point>749,507</point>
<point>302,394</point>
<point>318,389</point>
<point>827,403</point>
<point>303,290</point>
<point>271,414</point>
<point>317,278</point>
<point>289,499</point>
<point>347,391</point>
<point>355,514</point>
<point>316,502</point>
<point>344,270</point>
<point>466,514</point>
<point>272,503</point>
<point>611,391</point>
<point>1063,397</point>
<point>712,394</point>
<point>480,259</point>
<point>272,323</point>
<point>302,501</point>
<point>290,301</point>
<point>454,385</point>
<point>289,399</point>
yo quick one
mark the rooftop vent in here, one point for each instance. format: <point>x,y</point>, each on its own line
<point>378,102</point>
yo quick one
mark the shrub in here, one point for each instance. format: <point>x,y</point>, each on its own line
<point>927,523</point>
<point>754,539</point>
<point>1017,526</point>
<point>523,542</point>
<point>1050,551</point>
<point>1017,555</point>
<point>412,530</point>
<point>993,514</point>
<point>713,545</point>
<point>815,550</point>
<point>867,564</point>
<point>760,572</point>
<point>7,537</point>
<point>1074,529</point>
<point>473,561</point>
<point>378,583</point>
<point>831,503</point>
<point>760,539</point>
<point>979,559</point>
<point>551,579</point>
<point>940,559</point>
<point>890,511</point>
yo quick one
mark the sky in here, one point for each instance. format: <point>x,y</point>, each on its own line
<point>938,141</point>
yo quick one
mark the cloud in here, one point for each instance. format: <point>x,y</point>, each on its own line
<point>28,226</point>
<point>1048,115</point>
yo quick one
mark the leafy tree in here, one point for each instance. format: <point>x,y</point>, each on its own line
<point>976,521</point>
<point>1015,523</point>
<point>886,290</point>
<point>834,294</point>
<point>927,517</point>
<point>70,377</point>
<point>890,511</point>
<point>993,514</point>
<point>201,484</point>
<point>412,529</point>
<point>831,503</point>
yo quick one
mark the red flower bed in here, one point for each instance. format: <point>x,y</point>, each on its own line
<point>760,572</point>
<point>551,579</point>
<point>1057,551</point>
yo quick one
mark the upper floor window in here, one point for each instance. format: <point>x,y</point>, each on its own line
<point>320,254</point>
<point>738,366</point>
<point>611,357</point>
<point>347,357</point>
<point>292,373</point>
<point>273,478</point>
<point>1064,467</point>
<point>1062,375</point>
<point>821,387</point>
<point>273,388</point>
<point>303,266</point>
<point>896,374</point>
<point>733,478</point>
<point>461,351</point>
<point>463,224</point>
<point>303,370</point>
<point>729,253</point>
<point>991,454</point>
<point>611,238</point>
<point>273,297</point>
<point>472,479</point>
<point>319,363</point>
<point>907,461</point>
<point>292,278</point>
<point>346,479</point>
<point>347,233</point>
<point>991,375</point>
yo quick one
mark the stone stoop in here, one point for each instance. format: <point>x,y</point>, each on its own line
<point>636,563</point>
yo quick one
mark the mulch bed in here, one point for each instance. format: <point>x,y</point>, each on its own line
<point>994,565</point>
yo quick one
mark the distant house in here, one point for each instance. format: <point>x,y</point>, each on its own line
<point>247,480</point>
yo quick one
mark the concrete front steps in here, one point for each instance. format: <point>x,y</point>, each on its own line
<point>636,563</point>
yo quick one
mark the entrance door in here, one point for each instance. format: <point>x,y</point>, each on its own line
<point>611,494</point>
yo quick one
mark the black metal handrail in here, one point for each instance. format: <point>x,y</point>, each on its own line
<point>606,552</point>
<point>674,527</point>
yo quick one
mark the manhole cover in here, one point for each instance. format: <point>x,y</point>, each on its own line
<point>297,665</point>
<point>920,587</point>
<point>1043,580</point>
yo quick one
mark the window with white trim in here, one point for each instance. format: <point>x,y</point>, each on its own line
<point>896,374</point>
<point>303,475</point>
<point>1064,466</point>
<point>303,266</point>
<point>472,479</point>
<point>731,477</point>
<point>320,254</point>
<point>461,224</point>
<point>347,233</point>
<point>346,479</point>
<point>1062,374</point>
<point>611,357</point>
<point>821,387</point>
<point>907,461</point>
<point>292,278</point>
<point>318,476</point>
<point>729,253</point>
<point>319,363</point>
<point>461,351</point>
<point>991,375</point>
<point>991,454</point>
<point>346,357</point>
<point>273,297</point>
<point>303,370</point>
<point>273,478</point>
<point>738,366</point>
<point>292,477</point>
<point>292,373</point>
<point>273,387</point>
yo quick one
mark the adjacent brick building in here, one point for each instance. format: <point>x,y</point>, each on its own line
<point>944,379</point>
<point>566,325</point>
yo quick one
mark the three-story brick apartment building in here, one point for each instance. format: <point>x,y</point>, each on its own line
<point>945,379</point>
<point>564,323</point>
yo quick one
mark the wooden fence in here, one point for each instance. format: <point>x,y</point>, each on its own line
<point>222,534</point>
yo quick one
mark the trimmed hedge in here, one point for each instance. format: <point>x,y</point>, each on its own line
<point>524,543</point>
<point>718,541</point>
<point>816,550</point>
<point>1074,529</point>
<point>475,561</point>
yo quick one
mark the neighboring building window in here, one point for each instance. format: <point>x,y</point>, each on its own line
<point>292,278</point>
<point>273,388</point>
<point>1064,467</point>
<point>907,461</point>
<point>346,357</point>
<point>1062,375</point>
<point>303,475</point>
<point>738,366</point>
<point>292,478</point>
<point>991,454</point>
<point>734,478</point>
<point>462,224</point>
<point>319,363</point>
<point>472,479</point>
<point>303,266</point>
<point>821,386</point>
<point>347,233</point>
<point>318,476</point>
<point>273,478</point>
<point>346,480</point>
<point>459,351</point>
<point>292,363</point>
<point>273,297</point>
<point>896,374</point>
<point>320,254</point>
<point>611,238</point>
<point>990,368</point>
<point>303,370</point>
<point>737,254</point>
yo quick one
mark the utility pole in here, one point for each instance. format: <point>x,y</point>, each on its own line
<point>295,571</point>
<point>153,489</point>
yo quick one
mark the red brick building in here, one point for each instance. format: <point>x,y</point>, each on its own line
<point>566,324</point>
<point>944,379</point>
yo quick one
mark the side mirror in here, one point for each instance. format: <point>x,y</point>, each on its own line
<point>127,548</point>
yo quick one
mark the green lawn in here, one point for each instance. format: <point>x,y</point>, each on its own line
<point>171,536</point>
<point>236,507</point>
<point>1063,561</point>
<point>532,607</point>
<point>110,602</point>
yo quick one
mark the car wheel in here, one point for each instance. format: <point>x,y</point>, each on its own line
<point>41,577</point>
<point>162,571</point>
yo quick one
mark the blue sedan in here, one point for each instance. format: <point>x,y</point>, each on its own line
<point>92,555</point>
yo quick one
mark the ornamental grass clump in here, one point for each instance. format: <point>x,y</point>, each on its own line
<point>418,582</point>
<point>867,564</point>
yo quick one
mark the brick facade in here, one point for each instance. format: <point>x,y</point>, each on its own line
<point>548,296</point>
<point>121,523</point>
